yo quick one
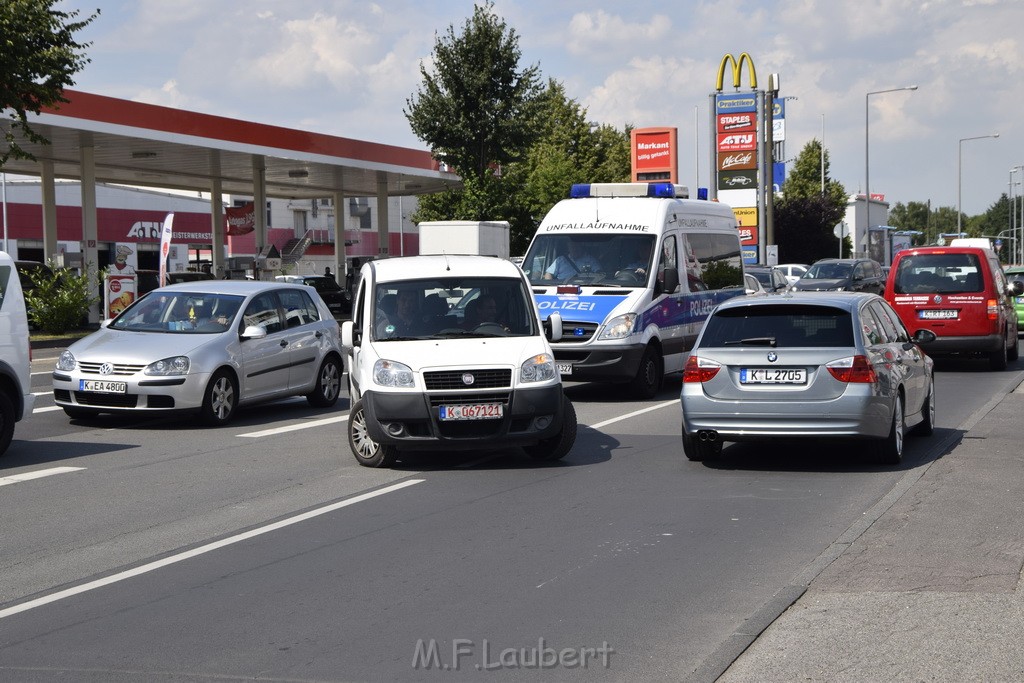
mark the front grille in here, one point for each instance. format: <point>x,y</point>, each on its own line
<point>121,369</point>
<point>482,379</point>
<point>106,400</point>
<point>576,333</point>
<point>462,399</point>
<point>470,429</point>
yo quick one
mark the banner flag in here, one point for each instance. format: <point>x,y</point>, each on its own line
<point>165,246</point>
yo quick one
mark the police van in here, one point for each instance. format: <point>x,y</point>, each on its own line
<point>633,270</point>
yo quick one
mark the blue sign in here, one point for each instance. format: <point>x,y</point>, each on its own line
<point>592,309</point>
<point>735,102</point>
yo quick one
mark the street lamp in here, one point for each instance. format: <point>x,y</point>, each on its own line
<point>1014,225</point>
<point>959,154</point>
<point>867,181</point>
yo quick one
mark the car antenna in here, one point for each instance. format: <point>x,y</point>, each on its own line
<point>447,266</point>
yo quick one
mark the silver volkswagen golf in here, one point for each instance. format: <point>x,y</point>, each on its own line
<point>208,347</point>
<point>806,364</point>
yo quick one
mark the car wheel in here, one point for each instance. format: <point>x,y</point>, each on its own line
<point>997,360</point>
<point>1014,353</point>
<point>79,413</point>
<point>221,399</point>
<point>558,446</point>
<point>368,452</point>
<point>649,375</point>
<point>698,451</point>
<point>890,450</point>
<point>328,384</point>
<point>6,422</point>
<point>926,427</point>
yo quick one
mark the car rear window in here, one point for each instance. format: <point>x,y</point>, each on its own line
<point>783,326</point>
<point>949,273</point>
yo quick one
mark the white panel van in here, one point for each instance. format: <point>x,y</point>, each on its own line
<point>16,399</point>
<point>633,269</point>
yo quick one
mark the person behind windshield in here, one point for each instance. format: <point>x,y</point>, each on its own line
<point>406,320</point>
<point>576,261</point>
<point>639,255</point>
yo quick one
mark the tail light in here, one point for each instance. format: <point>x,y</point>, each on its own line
<point>852,370</point>
<point>700,369</point>
<point>993,309</point>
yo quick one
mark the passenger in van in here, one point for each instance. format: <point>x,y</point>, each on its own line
<point>576,261</point>
<point>407,320</point>
<point>637,259</point>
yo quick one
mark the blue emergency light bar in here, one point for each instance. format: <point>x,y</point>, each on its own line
<point>658,190</point>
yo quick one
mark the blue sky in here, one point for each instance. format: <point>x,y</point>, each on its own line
<point>347,67</point>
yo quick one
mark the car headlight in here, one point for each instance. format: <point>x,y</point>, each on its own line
<point>619,327</point>
<point>389,373</point>
<point>540,368</point>
<point>66,361</point>
<point>176,365</point>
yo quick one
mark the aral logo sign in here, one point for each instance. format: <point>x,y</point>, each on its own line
<point>731,142</point>
<point>737,161</point>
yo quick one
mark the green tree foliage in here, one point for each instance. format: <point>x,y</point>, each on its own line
<point>38,56</point>
<point>806,216</point>
<point>60,299</point>
<point>913,216</point>
<point>476,108</point>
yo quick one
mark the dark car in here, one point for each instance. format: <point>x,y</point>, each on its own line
<point>337,299</point>
<point>771,278</point>
<point>843,275</point>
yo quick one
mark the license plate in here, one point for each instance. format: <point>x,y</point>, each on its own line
<point>472,411</point>
<point>773,376</point>
<point>102,387</point>
<point>564,368</point>
<point>934,314</point>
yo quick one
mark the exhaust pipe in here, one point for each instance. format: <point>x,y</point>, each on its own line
<point>707,435</point>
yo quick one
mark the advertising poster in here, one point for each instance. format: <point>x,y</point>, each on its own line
<point>118,293</point>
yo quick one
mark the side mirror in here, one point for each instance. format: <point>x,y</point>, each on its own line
<point>347,332</point>
<point>254,332</point>
<point>923,337</point>
<point>1016,288</point>
<point>555,320</point>
<point>667,282</point>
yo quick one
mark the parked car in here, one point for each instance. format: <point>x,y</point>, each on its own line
<point>208,347</point>
<point>961,294</point>
<point>770,278</point>
<point>843,275</point>
<point>16,397</point>
<point>793,271</point>
<point>1016,274</point>
<point>808,365</point>
<point>336,298</point>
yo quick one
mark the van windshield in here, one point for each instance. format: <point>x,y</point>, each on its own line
<point>451,307</point>
<point>590,259</point>
<point>938,274</point>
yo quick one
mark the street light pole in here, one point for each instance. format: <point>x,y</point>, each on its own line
<point>867,176</point>
<point>1018,255</point>
<point>959,155</point>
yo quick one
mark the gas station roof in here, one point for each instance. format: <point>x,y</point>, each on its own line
<point>161,147</point>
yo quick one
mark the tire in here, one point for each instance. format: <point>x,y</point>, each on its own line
<point>890,450</point>
<point>368,452</point>
<point>558,446</point>
<point>220,401</point>
<point>649,375</point>
<point>927,426</point>
<point>6,422</point>
<point>328,384</point>
<point>79,413</point>
<point>997,360</point>
<point>1014,353</point>
<point>699,451</point>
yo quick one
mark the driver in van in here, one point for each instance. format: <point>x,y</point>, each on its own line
<point>576,261</point>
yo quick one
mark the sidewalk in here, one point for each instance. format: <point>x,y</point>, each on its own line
<point>931,591</point>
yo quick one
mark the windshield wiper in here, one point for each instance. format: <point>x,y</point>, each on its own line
<point>753,341</point>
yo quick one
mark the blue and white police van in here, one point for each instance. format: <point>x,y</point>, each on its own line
<point>633,269</point>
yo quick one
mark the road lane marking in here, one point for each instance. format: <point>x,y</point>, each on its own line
<point>28,476</point>
<point>201,550</point>
<point>48,409</point>
<point>295,428</point>
<point>659,406</point>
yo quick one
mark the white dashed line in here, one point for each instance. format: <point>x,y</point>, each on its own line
<point>28,476</point>
<point>294,428</point>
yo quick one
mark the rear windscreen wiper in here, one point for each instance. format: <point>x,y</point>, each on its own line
<point>753,341</point>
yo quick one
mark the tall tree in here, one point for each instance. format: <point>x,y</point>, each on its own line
<point>38,57</point>
<point>476,107</point>
<point>807,213</point>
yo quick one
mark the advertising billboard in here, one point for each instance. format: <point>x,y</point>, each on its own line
<point>654,154</point>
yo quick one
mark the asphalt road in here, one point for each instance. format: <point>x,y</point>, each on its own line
<point>261,550</point>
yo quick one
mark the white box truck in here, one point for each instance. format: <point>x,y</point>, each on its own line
<point>482,238</point>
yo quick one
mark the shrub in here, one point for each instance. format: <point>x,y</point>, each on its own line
<point>60,300</point>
